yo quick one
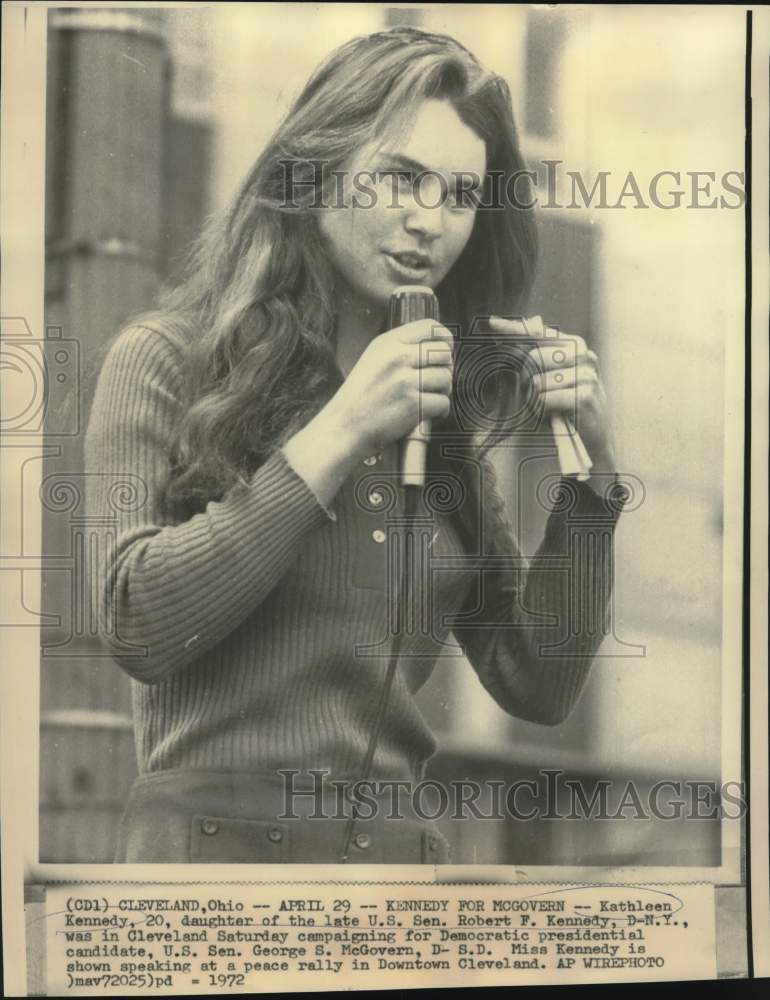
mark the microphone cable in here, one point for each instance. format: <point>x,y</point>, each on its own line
<point>411,501</point>
<point>407,304</point>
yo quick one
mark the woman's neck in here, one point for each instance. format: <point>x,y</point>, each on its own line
<point>358,322</point>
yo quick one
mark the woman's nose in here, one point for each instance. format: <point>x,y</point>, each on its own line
<point>424,210</point>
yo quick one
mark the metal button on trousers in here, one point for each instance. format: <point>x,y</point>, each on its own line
<point>215,817</point>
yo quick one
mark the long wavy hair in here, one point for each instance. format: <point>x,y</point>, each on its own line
<point>257,300</point>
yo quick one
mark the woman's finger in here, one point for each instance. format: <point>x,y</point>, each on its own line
<point>434,405</point>
<point>567,401</point>
<point>516,327</point>
<point>561,353</point>
<point>427,354</point>
<point>565,378</point>
<point>557,351</point>
<point>434,352</point>
<point>421,329</point>
<point>434,379</point>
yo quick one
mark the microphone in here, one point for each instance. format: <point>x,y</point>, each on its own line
<point>407,304</point>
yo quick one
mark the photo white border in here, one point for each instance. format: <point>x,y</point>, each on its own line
<point>22,208</point>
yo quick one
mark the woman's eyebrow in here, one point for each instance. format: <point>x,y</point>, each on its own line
<point>398,159</point>
<point>401,160</point>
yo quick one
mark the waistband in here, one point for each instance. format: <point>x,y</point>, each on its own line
<point>220,817</point>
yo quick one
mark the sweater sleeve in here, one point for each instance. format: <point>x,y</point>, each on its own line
<point>532,631</point>
<point>170,592</point>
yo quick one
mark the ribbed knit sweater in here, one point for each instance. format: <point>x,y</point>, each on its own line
<point>257,632</point>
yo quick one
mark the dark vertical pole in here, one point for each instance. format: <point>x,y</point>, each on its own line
<point>747,417</point>
<point>107,97</point>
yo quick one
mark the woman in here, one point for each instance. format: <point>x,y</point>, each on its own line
<point>262,409</point>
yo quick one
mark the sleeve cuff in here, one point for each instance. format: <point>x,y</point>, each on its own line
<point>279,459</point>
<point>603,496</point>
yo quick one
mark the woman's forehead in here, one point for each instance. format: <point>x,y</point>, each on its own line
<point>434,138</point>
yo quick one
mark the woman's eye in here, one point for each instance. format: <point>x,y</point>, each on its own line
<point>464,199</point>
<point>404,177</point>
<point>463,202</point>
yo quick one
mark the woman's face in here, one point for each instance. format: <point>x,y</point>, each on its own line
<point>397,215</point>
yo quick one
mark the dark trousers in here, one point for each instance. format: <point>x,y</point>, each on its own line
<point>219,817</point>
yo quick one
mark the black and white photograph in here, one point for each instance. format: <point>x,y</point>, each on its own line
<point>303,263</point>
<point>379,455</point>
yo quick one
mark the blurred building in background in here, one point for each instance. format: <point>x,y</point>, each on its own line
<point>154,115</point>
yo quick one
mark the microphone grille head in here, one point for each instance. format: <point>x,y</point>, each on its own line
<point>409,303</point>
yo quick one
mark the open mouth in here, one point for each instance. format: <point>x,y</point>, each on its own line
<point>411,261</point>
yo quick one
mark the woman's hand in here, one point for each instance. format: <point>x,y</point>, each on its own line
<point>402,377</point>
<point>564,379</point>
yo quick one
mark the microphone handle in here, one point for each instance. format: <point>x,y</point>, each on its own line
<point>413,453</point>
<point>407,304</point>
